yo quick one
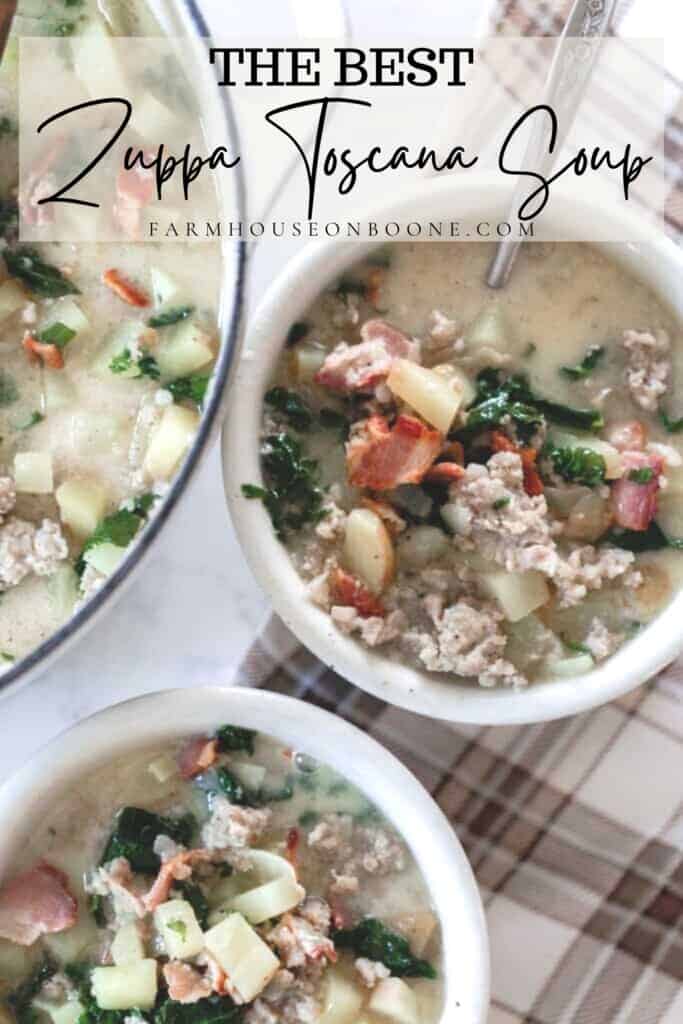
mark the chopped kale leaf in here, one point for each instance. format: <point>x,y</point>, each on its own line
<point>576,647</point>
<point>292,407</point>
<point>308,819</point>
<point>577,465</point>
<point>191,389</point>
<point>57,334</point>
<point>146,366</point>
<point>497,397</point>
<point>21,998</point>
<point>292,496</point>
<point>349,285</point>
<point>35,417</point>
<point>591,359</point>
<point>212,1010</point>
<point>171,316</point>
<point>239,794</point>
<point>135,831</point>
<point>651,539</point>
<point>673,426</point>
<point>331,419</point>
<point>297,332</point>
<point>373,940</point>
<point>40,277</point>
<point>234,737</point>
<point>96,908</point>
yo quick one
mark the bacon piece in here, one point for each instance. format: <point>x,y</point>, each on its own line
<point>381,458</point>
<point>37,902</point>
<point>185,984</point>
<point>41,352</point>
<point>454,451</point>
<point>130,293</point>
<point>363,366</point>
<point>444,473</point>
<point>628,437</point>
<point>135,188</point>
<point>196,756</point>
<point>176,869</point>
<point>348,591</point>
<point>635,505</point>
<point>533,485</point>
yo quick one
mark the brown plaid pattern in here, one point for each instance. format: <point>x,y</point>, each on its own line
<point>574,828</point>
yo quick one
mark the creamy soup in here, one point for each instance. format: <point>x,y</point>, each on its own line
<point>106,353</point>
<point>221,879</point>
<point>486,485</point>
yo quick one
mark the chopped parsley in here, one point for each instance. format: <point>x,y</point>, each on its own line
<point>171,316</point>
<point>292,407</point>
<point>373,940</point>
<point>146,366</point>
<point>190,389</point>
<point>292,494</point>
<point>577,648</point>
<point>529,351</point>
<point>179,927</point>
<point>589,362</point>
<point>501,502</point>
<point>234,737</point>
<point>6,656</point>
<point>56,334</point>
<point>576,464</point>
<point>7,127</point>
<point>641,476</point>
<point>40,277</point>
<point>297,332</point>
<point>308,819</point>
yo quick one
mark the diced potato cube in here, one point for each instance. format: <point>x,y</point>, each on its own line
<point>183,349</point>
<point>127,947</point>
<point>62,1013</point>
<point>434,396</point>
<point>368,551</point>
<point>489,329</point>
<point>418,928</point>
<point>105,557</point>
<point>164,288</point>
<point>420,545</point>
<point>177,924</point>
<point>459,380</point>
<point>82,504</point>
<point>306,361</point>
<point>251,775</point>
<point>342,999</point>
<point>62,587</point>
<point>393,1000</point>
<point>170,441</point>
<point>125,987</point>
<point>574,666</point>
<point>517,593</point>
<point>243,955</point>
<point>67,311</point>
<point>269,900</point>
<point>59,392</point>
<point>12,297</point>
<point>33,472</point>
<point>152,120</point>
<point>163,768</point>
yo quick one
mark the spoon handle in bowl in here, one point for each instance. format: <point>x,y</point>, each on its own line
<point>568,77</point>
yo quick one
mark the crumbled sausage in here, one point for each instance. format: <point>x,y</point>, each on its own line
<point>649,366</point>
<point>371,971</point>
<point>8,495</point>
<point>231,826</point>
<point>587,568</point>
<point>600,641</point>
<point>27,548</point>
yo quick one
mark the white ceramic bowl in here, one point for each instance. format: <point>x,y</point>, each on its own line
<point>656,260</point>
<point>172,714</point>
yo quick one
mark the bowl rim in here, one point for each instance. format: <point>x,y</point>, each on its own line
<point>286,300</point>
<point>174,713</point>
<point>231,304</point>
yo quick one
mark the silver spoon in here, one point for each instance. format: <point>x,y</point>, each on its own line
<point>568,76</point>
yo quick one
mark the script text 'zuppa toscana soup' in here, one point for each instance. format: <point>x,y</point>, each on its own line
<point>106,353</point>
<point>224,879</point>
<point>483,485</point>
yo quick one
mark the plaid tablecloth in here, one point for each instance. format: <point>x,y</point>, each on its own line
<point>574,828</point>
